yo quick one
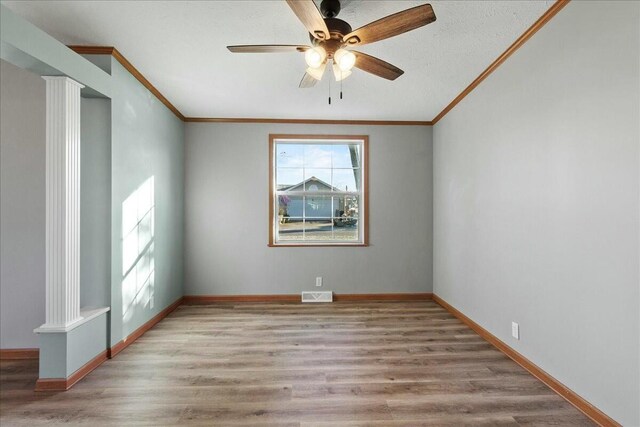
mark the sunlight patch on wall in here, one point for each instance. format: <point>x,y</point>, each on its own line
<point>138,264</point>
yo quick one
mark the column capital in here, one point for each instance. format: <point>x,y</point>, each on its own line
<point>63,78</point>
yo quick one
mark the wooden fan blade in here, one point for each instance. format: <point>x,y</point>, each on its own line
<point>268,48</point>
<point>308,13</point>
<point>392,25</point>
<point>376,66</point>
<point>307,81</point>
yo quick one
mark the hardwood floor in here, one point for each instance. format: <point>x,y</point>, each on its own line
<point>351,363</point>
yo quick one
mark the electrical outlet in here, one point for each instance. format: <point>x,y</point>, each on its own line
<point>515,330</point>
<point>318,281</point>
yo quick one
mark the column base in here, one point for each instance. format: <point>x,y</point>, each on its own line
<point>69,353</point>
<point>63,384</point>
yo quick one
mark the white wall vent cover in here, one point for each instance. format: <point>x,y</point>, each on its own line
<point>326,296</point>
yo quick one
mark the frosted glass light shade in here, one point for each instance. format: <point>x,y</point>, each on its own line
<point>315,56</point>
<point>317,73</point>
<point>339,74</point>
<point>345,59</point>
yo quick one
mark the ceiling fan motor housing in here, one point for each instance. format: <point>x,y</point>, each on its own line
<point>337,30</point>
<point>330,8</point>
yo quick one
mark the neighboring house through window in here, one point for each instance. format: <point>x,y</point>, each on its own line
<point>318,190</point>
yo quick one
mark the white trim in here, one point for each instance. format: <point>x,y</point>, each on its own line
<point>86,315</point>
<point>65,78</point>
<point>360,194</point>
<point>62,279</point>
<point>336,141</point>
<point>317,193</point>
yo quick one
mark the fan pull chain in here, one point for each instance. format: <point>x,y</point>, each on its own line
<point>341,79</point>
<point>329,90</point>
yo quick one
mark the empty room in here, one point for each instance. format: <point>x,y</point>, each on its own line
<point>320,213</point>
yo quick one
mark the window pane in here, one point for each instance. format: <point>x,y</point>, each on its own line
<point>345,179</point>
<point>317,179</point>
<point>289,206</point>
<point>317,156</point>
<point>287,179</point>
<point>347,209</point>
<point>319,172</point>
<point>346,156</point>
<point>289,155</point>
<point>290,230</point>
<point>318,229</point>
<point>345,230</point>
<point>318,207</point>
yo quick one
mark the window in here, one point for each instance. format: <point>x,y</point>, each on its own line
<point>318,190</point>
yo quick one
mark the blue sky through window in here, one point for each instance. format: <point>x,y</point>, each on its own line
<point>330,163</point>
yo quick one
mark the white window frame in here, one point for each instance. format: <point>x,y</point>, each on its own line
<point>362,193</point>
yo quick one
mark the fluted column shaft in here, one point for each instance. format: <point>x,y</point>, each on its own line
<point>63,202</point>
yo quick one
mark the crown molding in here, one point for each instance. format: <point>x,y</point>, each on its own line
<point>307,121</point>
<point>541,22</point>
<point>110,50</point>
<point>546,17</point>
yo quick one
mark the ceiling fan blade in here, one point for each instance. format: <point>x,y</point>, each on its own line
<point>268,48</point>
<point>376,66</point>
<point>307,81</point>
<point>308,13</point>
<point>392,25</point>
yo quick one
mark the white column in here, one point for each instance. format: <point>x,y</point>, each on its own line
<point>63,202</point>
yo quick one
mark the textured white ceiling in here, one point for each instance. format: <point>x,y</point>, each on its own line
<point>180,46</point>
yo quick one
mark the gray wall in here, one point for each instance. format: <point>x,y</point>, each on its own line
<point>226,215</point>
<point>536,186</point>
<point>147,142</point>
<point>22,206</point>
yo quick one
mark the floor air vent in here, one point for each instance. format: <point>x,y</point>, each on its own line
<point>317,296</point>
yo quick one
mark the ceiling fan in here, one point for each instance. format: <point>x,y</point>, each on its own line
<point>331,37</point>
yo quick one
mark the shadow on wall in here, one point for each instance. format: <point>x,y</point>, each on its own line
<point>138,264</point>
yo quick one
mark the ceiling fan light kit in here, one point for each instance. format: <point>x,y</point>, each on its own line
<point>315,57</point>
<point>331,36</point>
<point>340,74</point>
<point>345,59</point>
<point>317,72</point>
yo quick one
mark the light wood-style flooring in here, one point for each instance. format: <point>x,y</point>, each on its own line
<point>352,363</point>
